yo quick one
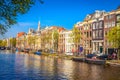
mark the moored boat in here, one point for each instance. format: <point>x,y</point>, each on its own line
<point>38,52</point>
<point>2,48</point>
<point>78,59</point>
<point>95,61</point>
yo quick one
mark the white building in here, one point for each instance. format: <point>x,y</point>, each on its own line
<point>68,43</point>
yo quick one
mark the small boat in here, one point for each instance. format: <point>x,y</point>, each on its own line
<point>95,61</point>
<point>78,59</point>
<point>2,48</point>
<point>38,52</point>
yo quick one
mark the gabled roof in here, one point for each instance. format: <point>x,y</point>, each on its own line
<point>96,14</point>
<point>20,34</point>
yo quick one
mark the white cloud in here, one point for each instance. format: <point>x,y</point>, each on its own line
<point>19,27</point>
<point>26,24</point>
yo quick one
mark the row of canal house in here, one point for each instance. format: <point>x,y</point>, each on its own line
<point>94,29</point>
<point>39,39</point>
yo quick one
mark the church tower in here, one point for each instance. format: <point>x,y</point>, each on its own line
<point>38,30</point>
<point>38,26</point>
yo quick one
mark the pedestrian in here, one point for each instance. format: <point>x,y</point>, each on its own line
<point>114,55</point>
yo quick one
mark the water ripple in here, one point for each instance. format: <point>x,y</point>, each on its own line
<point>34,67</point>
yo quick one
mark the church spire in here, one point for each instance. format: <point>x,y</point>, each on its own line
<point>39,26</point>
<point>29,31</point>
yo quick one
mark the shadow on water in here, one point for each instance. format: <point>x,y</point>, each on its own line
<point>20,66</point>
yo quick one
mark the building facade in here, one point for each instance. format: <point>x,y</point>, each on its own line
<point>98,31</point>
<point>20,40</point>
<point>65,42</point>
<point>111,19</point>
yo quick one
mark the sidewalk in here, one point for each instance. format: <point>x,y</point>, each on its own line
<point>113,63</point>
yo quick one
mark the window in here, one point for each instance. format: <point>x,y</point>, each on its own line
<point>97,25</point>
<point>113,23</point>
<point>110,16</point>
<point>118,24</point>
<point>89,26</point>
<point>105,25</point>
<point>107,17</point>
<point>100,24</point>
<point>81,28</point>
<point>93,25</point>
<point>90,44</point>
<point>87,34</point>
<point>118,17</point>
<point>100,34</point>
<point>94,34</point>
<point>90,33</point>
<point>85,27</point>
<point>109,24</point>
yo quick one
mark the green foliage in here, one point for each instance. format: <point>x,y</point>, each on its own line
<point>114,36</point>
<point>75,35</point>
<point>10,9</point>
<point>13,42</point>
<point>31,39</point>
<point>46,38</point>
<point>55,39</point>
<point>3,43</point>
<point>55,35</point>
<point>0,42</point>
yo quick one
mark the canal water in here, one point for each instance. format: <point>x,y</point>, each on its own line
<point>19,66</point>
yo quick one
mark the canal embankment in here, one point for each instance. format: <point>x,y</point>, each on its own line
<point>113,63</point>
<point>62,56</point>
<point>81,59</point>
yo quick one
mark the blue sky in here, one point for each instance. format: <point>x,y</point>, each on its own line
<point>63,13</point>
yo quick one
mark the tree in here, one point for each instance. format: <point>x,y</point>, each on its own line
<point>46,38</point>
<point>55,40</point>
<point>10,9</point>
<point>114,37</point>
<point>0,42</point>
<point>76,36</point>
<point>30,40</point>
<point>3,42</point>
<point>13,42</point>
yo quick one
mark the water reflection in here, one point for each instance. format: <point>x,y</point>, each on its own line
<point>21,66</point>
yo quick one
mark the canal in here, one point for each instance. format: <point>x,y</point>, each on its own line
<point>19,66</point>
